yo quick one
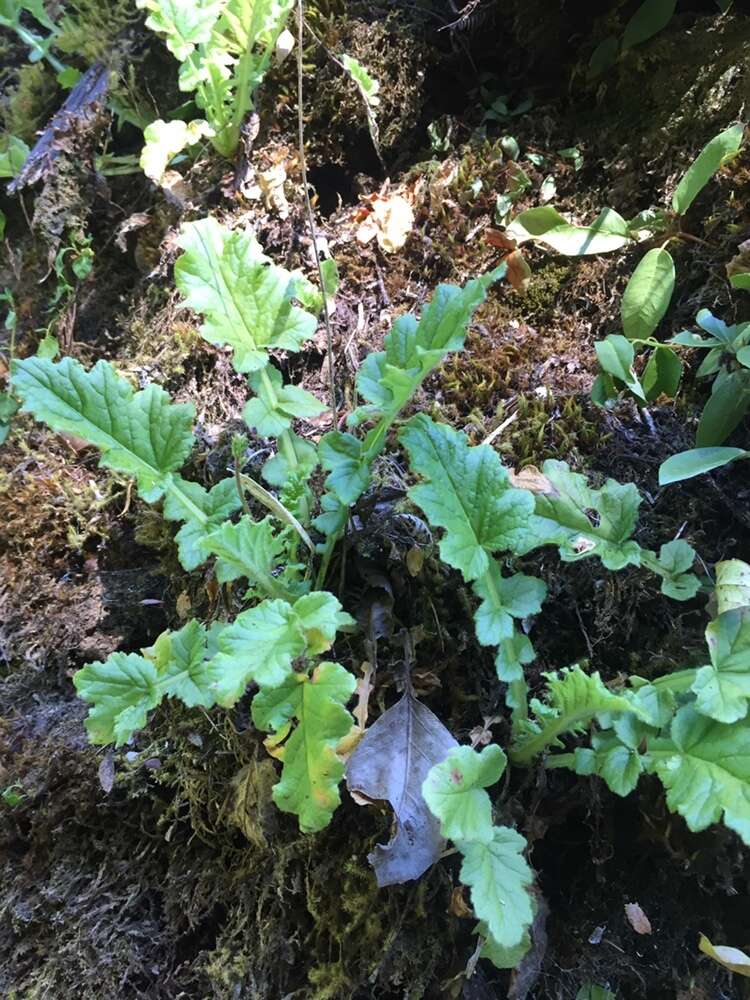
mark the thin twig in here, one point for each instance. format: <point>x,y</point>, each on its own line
<point>308,203</point>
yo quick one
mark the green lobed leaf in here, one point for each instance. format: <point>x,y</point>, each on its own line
<point>251,549</point>
<point>275,405</point>
<point>468,493</point>
<point>619,765</point>
<point>246,301</point>
<point>502,958</point>
<point>499,878</point>
<point>677,558</point>
<point>341,456</point>
<point>705,767</point>
<point>713,155</point>
<point>503,599</point>
<point>143,434</point>
<point>368,86</point>
<point>124,688</point>
<point>454,792</point>
<point>262,642</point>
<point>203,511</point>
<point>722,689</point>
<point>573,698</point>
<point>648,294</point>
<point>183,25</point>
<point>562,518</point>
<point>312,770</point>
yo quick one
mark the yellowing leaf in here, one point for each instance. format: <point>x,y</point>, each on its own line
<point>164,140</point>
<point>731,958</point>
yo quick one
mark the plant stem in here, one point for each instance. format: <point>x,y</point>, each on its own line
<point>308,205</point>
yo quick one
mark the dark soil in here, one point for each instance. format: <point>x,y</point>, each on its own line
<point>178,878</point>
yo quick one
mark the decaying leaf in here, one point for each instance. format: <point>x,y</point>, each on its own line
<point>637,918</point>
<point>731,958</point>
<point>533,480</point>
<point>387,218</point>
<point>389,765</point>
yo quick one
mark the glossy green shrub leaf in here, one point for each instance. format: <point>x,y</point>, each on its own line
<point>616,356</point>
<point>648,294</point>
<point>726,406</point>
<point>650,18</point>
<point>312,770</point>
<point>143,434</point>
<point>713,155</point>
<point>662,374</point>
<point>697,461</point>
<point>455,792</point>
<point>608,232</point>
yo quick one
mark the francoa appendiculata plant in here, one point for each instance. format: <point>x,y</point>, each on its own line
<point>278,642</point>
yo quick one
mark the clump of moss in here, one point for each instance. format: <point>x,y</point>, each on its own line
<point>544,286</point>
<point>549,426</point>
<point>29,101</point>
<point>88,28</point>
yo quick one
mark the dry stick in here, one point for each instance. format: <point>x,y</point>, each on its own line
<point>310,217</point>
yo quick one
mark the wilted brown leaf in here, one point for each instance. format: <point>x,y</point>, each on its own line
<point>637,918</point>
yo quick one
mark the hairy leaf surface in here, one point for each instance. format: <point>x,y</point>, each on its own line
<point>143,434</point>
<point>455,792</point>
<point>468,493</point>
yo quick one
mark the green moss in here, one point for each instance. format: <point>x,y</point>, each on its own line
<point>544,286</point>
<point>549,427</point>
<point>29,101</point>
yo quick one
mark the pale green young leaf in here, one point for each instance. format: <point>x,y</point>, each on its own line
<point>312,770</point>
<point>278,470</point>
<point>246,302</point>
<point>503,599</point>
<point>722,688</point>
<point>454,791</point>
<point>184,25</point>
<point>562,518</point>
<point>468,493</point>
<point>676,558</point>
<point>164,140</point>
<point>185,669</point>
<point>202,511</point>
<point>648,294</point>
<point>368,86</point>
<point>143,434</point>
<point>348,474</point>
<point>513,654</point>
<point>713,155</point>
<point>122,690</point>
<point>500,879</point>
<point>251,549</point>
<point>262,642</point>
<point>573,698</point>
<point>705,767</point>
<point>275,405</point>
